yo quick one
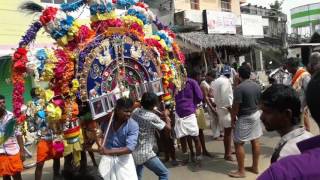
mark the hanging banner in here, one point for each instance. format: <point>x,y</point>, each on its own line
<point>220,22</point>
<point>252,26</point>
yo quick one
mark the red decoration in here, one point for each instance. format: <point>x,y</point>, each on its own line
<point>48,15</point>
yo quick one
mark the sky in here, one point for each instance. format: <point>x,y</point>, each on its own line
<point>287,5</point>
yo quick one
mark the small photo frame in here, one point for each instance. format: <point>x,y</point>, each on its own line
<point>112,100</point>
<point>145,87</point>
<point>156,87</point>
<point>107,103</point>
<point>138,89</point>
<point>97,107</point>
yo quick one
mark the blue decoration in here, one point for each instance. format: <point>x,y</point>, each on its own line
<point>101,8</point>
<point>41,114</point>
<point>63,29</point>
<point>139,15</point>
<point>165,38</point>
<point>126,3</point>
<point>42,57</point>
<point>69,7</point>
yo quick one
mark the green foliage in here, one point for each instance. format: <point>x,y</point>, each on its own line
<point>274,55</point>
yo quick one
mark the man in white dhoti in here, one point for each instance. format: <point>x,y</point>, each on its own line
<point>121,134</point>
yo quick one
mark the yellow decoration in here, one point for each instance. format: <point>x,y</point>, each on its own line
<point>54,113</point>
<point>48,95</point>
<point>51,56</point>
<point>132,19</point>
<point>75,85</point>
<point>48,72</point>
<point>72,32</point>
<point>105,16</point>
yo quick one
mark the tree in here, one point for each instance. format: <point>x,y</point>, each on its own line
<point>277,5</point>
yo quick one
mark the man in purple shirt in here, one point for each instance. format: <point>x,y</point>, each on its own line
<point>186,126</point>
<point>306,165</point>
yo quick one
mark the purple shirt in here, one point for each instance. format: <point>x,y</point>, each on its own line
<point>298,167</point>
<point>188,98</point>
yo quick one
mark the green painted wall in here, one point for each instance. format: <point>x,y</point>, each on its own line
<point>6,87</point>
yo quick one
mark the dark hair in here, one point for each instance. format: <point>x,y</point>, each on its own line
<point>124,103</point>
<point>149,100</point>
<point>244,72</point>
<point>2,97</point>
<point>293,62</point>
<point>33,92</point>
<point>313,97</point>
<point>281,97</point>
<point>194,73</point>
<point>212,74</point>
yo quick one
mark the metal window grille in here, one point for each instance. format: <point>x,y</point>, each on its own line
<point>226,5</point>
<point>195,4</point>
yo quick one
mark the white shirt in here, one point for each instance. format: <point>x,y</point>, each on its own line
<point>222,92</point>
<point>292,138</point>
<point>11,146</point>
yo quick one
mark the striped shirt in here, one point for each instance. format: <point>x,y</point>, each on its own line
<point>148,123</point>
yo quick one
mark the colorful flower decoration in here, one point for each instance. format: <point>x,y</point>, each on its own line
<point>57,67</point>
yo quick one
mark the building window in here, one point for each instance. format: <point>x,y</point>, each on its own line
<point>57,1</point>
<point>195,4</point>
<point>226,5</point>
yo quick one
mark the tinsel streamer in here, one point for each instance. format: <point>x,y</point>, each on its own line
<point>8,131</point>
<point>84,53</point>
<point>126,3</point>
<point>160,25</point>
<point>30,34</point>
<point>69,7</point>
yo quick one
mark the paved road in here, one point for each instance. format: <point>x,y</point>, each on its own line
<point>215,168</point>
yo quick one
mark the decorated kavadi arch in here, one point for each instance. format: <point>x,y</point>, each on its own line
<point>111,57</point>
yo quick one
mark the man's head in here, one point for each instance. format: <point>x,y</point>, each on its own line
<point>211,75</point>
<point>149,100</point>
<point>292,65</point>
<point>2,103</point>
<point>314,63</point>
<point>123,109</point>
<point>313,97</point>
<point>195,74</point>
<point>280,106</point>
<point>214,62</point>
<point>226,71</point>
<point>244,72</point>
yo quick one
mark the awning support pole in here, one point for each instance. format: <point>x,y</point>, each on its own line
<point>205,61</point>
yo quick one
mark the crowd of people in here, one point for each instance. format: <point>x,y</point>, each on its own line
<point>237,107</point>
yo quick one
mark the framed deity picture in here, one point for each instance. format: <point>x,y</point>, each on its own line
<point>138,91</point>
<point>145,87</point>
<point>156,87</point>
<point>106,102</point>
<point>112,100</point>
<point>97,107</point>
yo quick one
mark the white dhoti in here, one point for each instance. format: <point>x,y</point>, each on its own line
<point>186,126</point>
<point>118,168</point>
<point>224,117</point>
<point>214,123</point>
